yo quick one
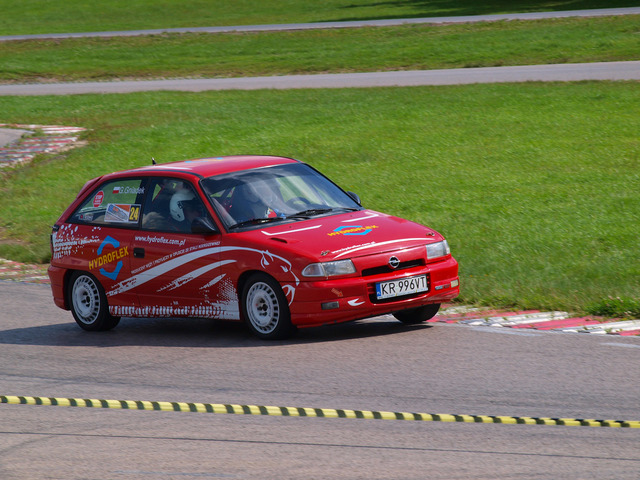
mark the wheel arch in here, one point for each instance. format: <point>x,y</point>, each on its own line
<point>242,281</point>
<point>88,303</point>
<point>264,306</point>
<point>66,286</point>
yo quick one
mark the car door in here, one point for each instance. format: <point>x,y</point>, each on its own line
<point>174,271</point>
<point>98,237</point>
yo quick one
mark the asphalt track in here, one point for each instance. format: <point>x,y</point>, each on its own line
<point>190,394</point>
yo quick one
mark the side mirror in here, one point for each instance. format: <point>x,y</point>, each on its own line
<point>203,225</point>
<point>355,197</point>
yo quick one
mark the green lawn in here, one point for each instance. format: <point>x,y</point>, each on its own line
<point>48,16</point>
<point>320,51</point>
<point>536,186</point>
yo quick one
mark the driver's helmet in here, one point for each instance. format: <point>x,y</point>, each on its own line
<point>177,203</point>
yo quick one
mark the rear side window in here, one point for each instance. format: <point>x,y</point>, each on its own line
<point>116,203</point>
<point>171,206</point>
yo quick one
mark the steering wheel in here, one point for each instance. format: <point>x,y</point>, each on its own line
<point>297,202</point>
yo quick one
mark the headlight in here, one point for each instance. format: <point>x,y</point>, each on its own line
<point>329,269</point>
<point>438,249</point>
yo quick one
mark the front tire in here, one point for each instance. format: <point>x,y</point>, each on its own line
<point>265,308</point>
<point>417,315</point>
<point>88,303</point>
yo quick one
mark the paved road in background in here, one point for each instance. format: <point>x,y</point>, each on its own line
<point>352,24</point>
<point>526,73</point>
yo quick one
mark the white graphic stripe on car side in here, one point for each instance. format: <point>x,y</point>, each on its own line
<point>154,272</point>
<point>178,282</point>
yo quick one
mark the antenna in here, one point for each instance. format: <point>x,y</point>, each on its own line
<point>153,161</point>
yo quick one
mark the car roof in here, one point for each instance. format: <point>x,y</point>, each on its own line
<point>199,167</point>
<point>206,167</point>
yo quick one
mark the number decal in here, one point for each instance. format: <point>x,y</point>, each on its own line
<point>134,213</point>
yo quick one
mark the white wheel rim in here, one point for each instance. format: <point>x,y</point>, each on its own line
<point>86,299</point>
<point>263,308</point>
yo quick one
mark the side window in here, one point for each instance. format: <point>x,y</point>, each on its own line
<point>116,203</point>
<point>171,207</point>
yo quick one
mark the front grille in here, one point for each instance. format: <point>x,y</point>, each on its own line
<point>384,269</point>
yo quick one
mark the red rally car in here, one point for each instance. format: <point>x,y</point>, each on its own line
<point>266,240</point>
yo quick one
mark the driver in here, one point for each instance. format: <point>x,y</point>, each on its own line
<point>184,208</point>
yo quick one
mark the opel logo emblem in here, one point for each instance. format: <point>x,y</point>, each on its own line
<point>394,262</point>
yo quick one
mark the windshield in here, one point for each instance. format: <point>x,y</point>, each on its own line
<point>275,194</point>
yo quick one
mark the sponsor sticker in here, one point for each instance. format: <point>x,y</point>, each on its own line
<point>108,257</point>
<point>122,213</point>
<point>134,190</point>
<point>97,200</point>
<point>352,230</point>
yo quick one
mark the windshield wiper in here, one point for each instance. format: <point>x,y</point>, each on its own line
<point>310,212</point>
<point>319,211</point>
<point>255,221</point>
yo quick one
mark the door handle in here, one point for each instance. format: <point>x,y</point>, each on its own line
<point>138,252</point>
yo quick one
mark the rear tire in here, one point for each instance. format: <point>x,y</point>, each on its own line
<point>417,315</point>
<point>265,308</point>
<point>88,303</point>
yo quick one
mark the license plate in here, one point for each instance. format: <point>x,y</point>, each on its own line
<point>403,286</point>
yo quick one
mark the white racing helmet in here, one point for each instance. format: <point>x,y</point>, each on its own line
<point>175,205</point>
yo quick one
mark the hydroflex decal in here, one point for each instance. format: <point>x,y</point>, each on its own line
<point>352,230</point>
<point>106,258</point>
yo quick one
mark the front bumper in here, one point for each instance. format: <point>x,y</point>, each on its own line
<point>340,300</point>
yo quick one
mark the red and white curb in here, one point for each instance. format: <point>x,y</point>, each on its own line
<point>23,272</point>
<point>53,139</point>
<point>536,320</point>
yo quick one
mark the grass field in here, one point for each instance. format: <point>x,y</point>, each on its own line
<point>536,186</point>
<point>320,51</point>
<point>46,16</point>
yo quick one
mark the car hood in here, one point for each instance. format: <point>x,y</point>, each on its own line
<point>348,235</point>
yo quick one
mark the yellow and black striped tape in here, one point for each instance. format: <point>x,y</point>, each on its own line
<point>310,412</point>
